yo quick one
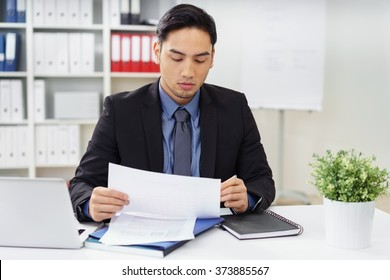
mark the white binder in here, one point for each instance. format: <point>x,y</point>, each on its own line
<point>115,13</point>
<point>62,14</point>
<point>52,144</point>
<point>50,53</point>
<point>12,146</point>
<point>22,143</point>
<point>5,100</point>
<point>63,144</point>
<point>50,12</point>
<point>39,100</point>
<point>40,145</point>
<point>87,52</point>
<point>39,53</point>
<point>17,104</point>
<point>62,53</point>
<point>86,12</point>
<point>74,144</point>
<point>74,52</point>
<point>38,11</point>
<point>74,12</point>
<point>3,147</point>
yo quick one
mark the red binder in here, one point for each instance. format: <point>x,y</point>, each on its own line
<point>125,52</point>
<point>154,67</point>
<point>145,53</point>
<point>135,53</point>
<point>116,52</point>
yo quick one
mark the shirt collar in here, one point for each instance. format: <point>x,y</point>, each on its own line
<point>169,106</point>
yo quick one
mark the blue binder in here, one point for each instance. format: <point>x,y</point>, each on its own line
<point>11,51</point>
<point>10,11</point>
<point>2,52</point>
<point>21,10</point>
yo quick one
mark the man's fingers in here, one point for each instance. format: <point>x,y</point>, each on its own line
<point>101,211</point>
<point>103,191</point>
<point>105,202</point>
<point>231,181</point>
<point>232,197</point>
<point>100,216</point>
<point>108,200</point>
<point>234,194</point>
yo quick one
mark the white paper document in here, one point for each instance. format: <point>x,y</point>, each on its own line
<point>129,229</point>
<point>163,207</point>
<point>166,194</point>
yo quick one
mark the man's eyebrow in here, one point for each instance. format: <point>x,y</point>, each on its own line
<point>181,53</point>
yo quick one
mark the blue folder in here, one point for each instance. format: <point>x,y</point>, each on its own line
<point>2,52</point>
<point>10,11</point>
<point>165,247</point>
<point>11,51</point>
<point>21,11</point>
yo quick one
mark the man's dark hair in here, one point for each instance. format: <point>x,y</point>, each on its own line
<point>185,15</point>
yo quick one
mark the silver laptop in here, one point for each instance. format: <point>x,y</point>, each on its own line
<point>37,213</point>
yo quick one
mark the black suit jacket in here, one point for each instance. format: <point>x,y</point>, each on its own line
<point>129,133</point>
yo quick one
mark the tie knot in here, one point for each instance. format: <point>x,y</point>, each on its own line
<point>181,115</point>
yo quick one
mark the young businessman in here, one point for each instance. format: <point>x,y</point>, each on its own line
<point>136,129</point>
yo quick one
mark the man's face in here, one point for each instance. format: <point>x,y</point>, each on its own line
<point>185,59</point>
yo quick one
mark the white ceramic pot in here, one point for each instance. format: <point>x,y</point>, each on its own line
<point>348,225</point>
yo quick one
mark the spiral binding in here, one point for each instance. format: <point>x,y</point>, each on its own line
<point>284,219</point>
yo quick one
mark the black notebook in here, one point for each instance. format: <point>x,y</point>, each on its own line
<point>260,225</point>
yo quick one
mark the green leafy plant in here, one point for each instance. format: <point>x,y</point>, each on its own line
<point>348,176</point>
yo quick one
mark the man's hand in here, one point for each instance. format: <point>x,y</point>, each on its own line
<point>105,202</point>
<point>234,194</point>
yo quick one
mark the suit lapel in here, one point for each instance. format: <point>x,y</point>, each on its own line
<point>151,117</point>
<point>208,135</point>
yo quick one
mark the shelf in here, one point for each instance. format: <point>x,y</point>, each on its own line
<point>97,27</point>
<point>14,123</point>
<point>134,75</point>
<point>58,165</point>
<point>70,121</point>
<point>13,25</point>
<point>17,74</point>
<point>99,78</point>
<point>13,167</point>
<point>145,28</point>
<point>70,75</point>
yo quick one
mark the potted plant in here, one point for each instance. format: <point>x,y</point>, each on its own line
<point>350,184</point>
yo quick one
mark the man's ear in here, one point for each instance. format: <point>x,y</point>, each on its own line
<point>157,51</point>
<point>212,58</point>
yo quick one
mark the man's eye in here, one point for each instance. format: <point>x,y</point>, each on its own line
<point>200,61</point>
<point>176,59</point>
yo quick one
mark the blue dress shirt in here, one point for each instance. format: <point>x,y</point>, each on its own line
<point>169,106</point>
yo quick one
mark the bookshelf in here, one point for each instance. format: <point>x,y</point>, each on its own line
<point>101,79</point>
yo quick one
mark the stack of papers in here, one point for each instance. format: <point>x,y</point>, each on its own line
<point>163,207</point>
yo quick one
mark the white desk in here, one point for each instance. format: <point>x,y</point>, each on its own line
<point>219,244</point>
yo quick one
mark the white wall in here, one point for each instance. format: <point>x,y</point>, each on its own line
<point>356,103</point>
<point>356,108</point>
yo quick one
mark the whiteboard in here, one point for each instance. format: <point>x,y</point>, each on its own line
<point>272,50</point>
<point>284,65</point>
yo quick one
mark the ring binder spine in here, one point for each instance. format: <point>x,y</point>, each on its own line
<point>284,219</point>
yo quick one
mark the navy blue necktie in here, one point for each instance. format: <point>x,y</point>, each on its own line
<point>182,144</point>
